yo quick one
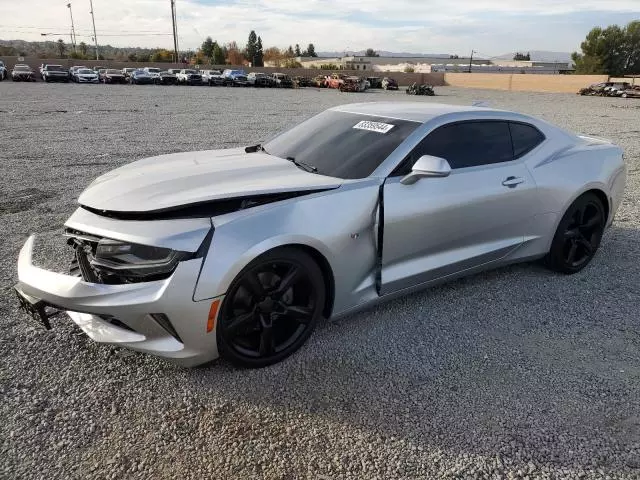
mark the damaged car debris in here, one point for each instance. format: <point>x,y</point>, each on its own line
<point>239,253</point>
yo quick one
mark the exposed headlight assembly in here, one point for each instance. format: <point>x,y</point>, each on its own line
<point>134,260</point>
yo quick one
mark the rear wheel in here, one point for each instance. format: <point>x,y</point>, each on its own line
<point>578,235</point>
<point>271,308</point>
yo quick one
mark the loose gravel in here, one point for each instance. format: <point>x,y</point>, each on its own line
<point>515,373</point>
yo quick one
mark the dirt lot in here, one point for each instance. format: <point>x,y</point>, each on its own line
<point>516,373</point>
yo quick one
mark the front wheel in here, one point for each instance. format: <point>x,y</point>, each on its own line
<point>578,235</point>
<point>271,308</point>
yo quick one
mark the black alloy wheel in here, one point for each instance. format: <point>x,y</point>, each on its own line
<point>578,236</point>
<point>271,308</point>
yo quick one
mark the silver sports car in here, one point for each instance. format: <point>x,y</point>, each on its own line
<point>239,253</point>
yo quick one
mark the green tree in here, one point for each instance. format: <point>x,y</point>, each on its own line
<point>61,47</point>
<point>259,54</point>
<point>613,51</point>
<point>219,56</point>
<point>290,53</point>
<point>522,57</point>
<point>252,47</point>
<point>311,51</point>
<point>297,51</point>
<point>83,48</point>
<point>207,48</point>
<point>371,53</point>
<point>132,57</point>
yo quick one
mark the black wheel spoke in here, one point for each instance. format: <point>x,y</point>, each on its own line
<point>573,233</point>
<point>586,244</point>
<point>241,322</point>
<point>255,285</point>
<point>267,345</point>
<point>572,252</point>
<point>288,280</point>
<point>299,313</point>
<point>591,223</point>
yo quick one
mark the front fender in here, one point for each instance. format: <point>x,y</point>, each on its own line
<point>338,224</point>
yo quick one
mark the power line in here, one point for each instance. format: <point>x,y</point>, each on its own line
<point>91,36</point>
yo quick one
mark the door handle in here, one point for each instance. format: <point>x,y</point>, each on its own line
<point>512,182</point>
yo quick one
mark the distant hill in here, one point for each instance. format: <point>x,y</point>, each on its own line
<point>539,56</point>
<point>382,53</point>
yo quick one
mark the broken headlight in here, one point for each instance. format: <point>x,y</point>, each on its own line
<point>134,260</point>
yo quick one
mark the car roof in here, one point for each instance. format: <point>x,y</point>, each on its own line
<point>412,111</point>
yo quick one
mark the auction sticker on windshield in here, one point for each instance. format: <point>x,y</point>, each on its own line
<point>373,126</point>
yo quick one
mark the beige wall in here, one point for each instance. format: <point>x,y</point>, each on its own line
<point>523,83</point>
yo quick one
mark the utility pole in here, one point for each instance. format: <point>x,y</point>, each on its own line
<point>73,30</point>
<point>95,37</point>
<point>175,30</point>
<point>471,59</point>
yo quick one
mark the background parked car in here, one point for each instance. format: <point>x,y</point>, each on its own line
<point>189,77</point>
<point>73,70</point>
<point>375,82</point>
<point>353,84</point>
<point>235,78</point>
<point>23,73</point>
<point>128,71</point>
<point>154,72</point>
<point>335,80</point>
<point>111,75</point>
<point>97,69</point>
<point>389,83</point>
<point>140,77</point>
<point>208,75</point>
<point>259,79</point>
<point>55,73</point>
<point>302,82</point>
<point>3,71</point>
<point>175,71</point>
<point>86,75</point>
<point>166,78</point>
<point>282,80</point>
<point>319,81</point>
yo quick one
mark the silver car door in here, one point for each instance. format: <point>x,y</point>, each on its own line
<point>442,226</point>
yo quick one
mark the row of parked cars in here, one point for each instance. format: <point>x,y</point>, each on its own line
<point>350,83</point>
<point>188,76</point>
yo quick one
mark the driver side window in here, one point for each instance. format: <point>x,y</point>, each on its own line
<point>465,144</point>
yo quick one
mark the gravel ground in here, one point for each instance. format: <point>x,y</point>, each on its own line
<point>516,373</point>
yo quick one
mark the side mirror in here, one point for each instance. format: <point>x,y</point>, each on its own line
<point>427,166</point>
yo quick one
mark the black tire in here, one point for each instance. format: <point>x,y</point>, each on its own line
<point>271,308</point>
<point>578,235</point>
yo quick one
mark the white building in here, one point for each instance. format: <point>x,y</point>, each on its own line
<point>435,64</point>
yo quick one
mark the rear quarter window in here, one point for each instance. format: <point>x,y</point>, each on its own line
<point>525,138</point>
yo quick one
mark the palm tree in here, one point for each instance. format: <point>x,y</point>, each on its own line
<point>61,47</point>
<point>83,48</point>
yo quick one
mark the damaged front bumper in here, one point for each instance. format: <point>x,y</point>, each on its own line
<point>158,317</point>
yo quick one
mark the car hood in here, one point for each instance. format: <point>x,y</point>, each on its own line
<point>169,181</point>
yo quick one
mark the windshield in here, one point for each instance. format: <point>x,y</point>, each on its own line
<point>153,70</point>
<point>54,68</point>
<point>22,68</point>
<point>189,71</point>
<point>340,144</point>
<point>85,70</point>
<point>113,72</point>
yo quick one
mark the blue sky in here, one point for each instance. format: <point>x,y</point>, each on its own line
<point>491,27</point>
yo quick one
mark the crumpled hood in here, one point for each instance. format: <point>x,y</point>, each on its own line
<point>169,181</point>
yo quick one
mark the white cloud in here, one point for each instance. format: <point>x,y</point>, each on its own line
<point>441,26</point>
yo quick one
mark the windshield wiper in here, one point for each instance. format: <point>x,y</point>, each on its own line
<point>302,165</point>
<point>256,148</point>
